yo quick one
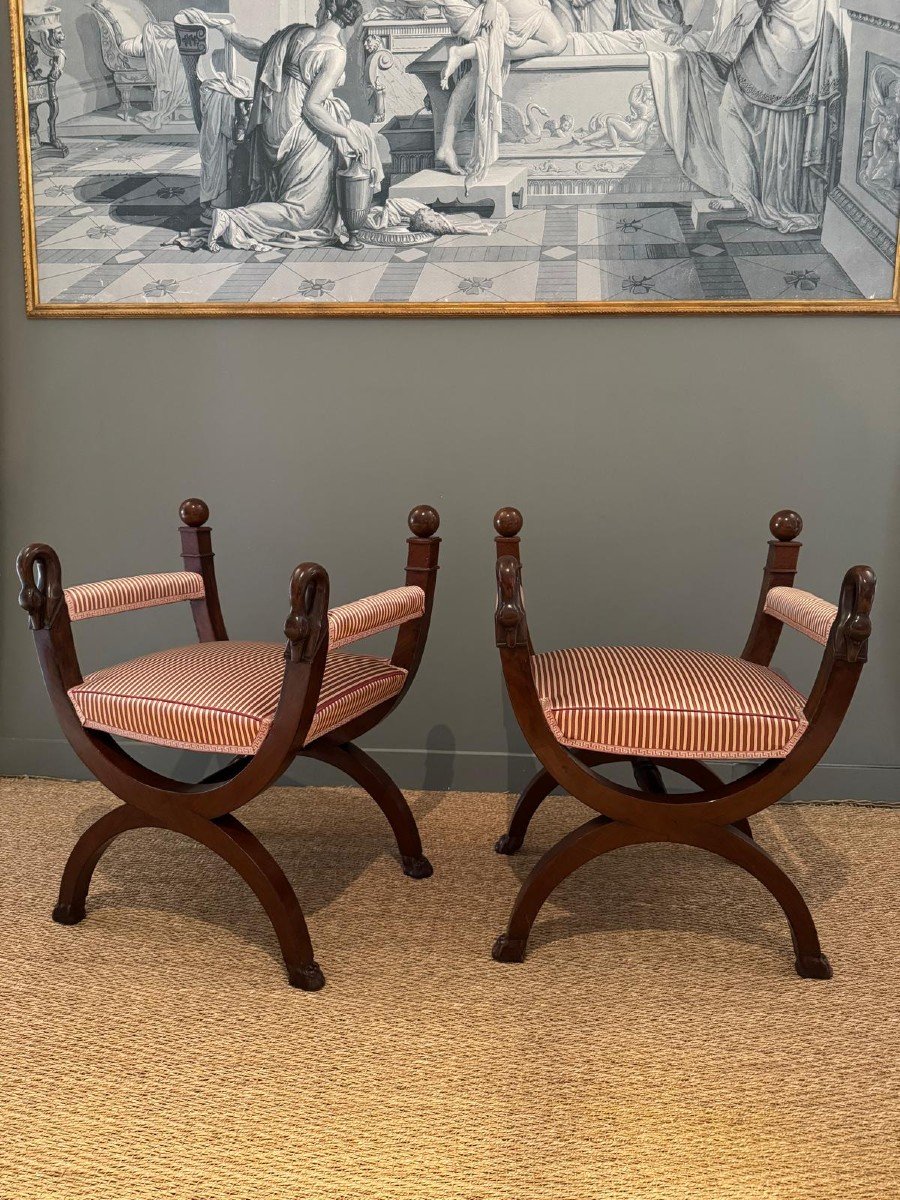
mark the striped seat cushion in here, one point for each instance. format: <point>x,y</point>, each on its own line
<point>361,619</point>
<point>802,611</point>
<point>221,696</point>
<point>635,700</point>
<point>137,591</point>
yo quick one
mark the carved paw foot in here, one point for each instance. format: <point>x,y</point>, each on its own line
<point>68,914</point>
<point>813,966</point>
<point>509,843</point>
<point>308,978</point>
<point>507,949</point>
<point>417,868</point>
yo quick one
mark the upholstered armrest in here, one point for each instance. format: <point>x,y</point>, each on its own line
<point>126,595</point>
<point>803,611</point>
<point>352,622</point>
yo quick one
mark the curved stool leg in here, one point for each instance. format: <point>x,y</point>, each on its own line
<point>230,769</point>
<point>648,778</point>
<point>87,852</point>
<point>704,777</point>
<point>810,962</point>
<point>234,842</point>
<point>375,780</point>
<point>700,774</point>
<point>593,838</point>
<point>531,798</point>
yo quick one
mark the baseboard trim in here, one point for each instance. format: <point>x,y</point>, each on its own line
<point>431,770</point>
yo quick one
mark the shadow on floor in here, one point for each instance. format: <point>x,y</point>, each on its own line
<point>323,839</point>
<point>144,199</point>
<point>677,888</point>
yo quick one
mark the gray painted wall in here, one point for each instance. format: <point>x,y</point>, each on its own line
<point>647,455</point>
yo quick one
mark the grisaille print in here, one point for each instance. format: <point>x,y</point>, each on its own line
<point>447,156</point>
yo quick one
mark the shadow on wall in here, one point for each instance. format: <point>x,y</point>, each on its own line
<point>520,762</point>
<point>87,35</point>
<point>86,84</point>
<point>439,773</point>
<point>440,759</point>
<point>886,632</point>
<point>165,10</point>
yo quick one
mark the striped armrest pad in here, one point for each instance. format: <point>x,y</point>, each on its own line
<point>362,618</point>
<point>126,595</point>
<point>802,611</point>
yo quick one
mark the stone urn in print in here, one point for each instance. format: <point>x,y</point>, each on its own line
<point>353,184</point>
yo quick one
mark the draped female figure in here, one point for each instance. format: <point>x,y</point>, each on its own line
<point>299,132</point>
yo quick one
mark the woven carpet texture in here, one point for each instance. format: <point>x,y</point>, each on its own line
<point>656,1043</point>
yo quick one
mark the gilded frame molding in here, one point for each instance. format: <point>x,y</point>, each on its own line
<point>34,307</point>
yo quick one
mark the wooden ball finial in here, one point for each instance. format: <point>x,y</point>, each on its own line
<point>423,521</point>
<point>508,522</point>
<point>786,525</point>
<point>194,512</point>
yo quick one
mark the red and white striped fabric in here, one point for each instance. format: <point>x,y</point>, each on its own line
<point>635,700</point>
<point>221,696</point>
<point>125,595</point>
<point>352,622</point>
<point>802,611</point>
<point>353,684</point>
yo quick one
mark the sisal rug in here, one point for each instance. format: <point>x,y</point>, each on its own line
<point>655,1045</point>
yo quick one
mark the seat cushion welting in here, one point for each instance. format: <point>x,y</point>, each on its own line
<point>637,700</point>
<point>221,696</point>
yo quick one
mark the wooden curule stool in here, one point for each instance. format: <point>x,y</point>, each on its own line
<point>262,703</point>
<point>592,706</point>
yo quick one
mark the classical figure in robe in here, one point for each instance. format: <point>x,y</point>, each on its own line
<point>216,93</point>
<point>299,132</point>
<point>774,113</point>
<point>491,36</point>
<point>755,128</point>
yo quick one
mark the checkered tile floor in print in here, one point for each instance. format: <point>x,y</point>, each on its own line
<point>105,212</point>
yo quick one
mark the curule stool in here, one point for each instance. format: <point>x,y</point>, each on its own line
<point>677,709</point>
<point>263,703</point>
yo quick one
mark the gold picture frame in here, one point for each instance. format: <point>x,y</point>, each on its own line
<point>39,308</point>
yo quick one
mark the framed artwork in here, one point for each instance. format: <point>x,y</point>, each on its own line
<point>447,157</point>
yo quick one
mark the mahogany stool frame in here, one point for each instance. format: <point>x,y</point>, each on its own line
<point>204,811</point>
<point>714,818</point>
